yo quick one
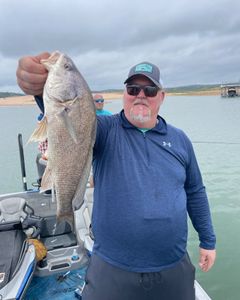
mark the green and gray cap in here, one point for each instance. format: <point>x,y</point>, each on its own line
<point>147,69</point>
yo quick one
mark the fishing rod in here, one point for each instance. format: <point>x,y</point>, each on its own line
<point>22,162</point>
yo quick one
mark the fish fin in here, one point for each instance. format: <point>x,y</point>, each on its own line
<point>46,182</point>
<point>51,60</point>
<point>40,133</point>
<point>68,217</point>
<point>64,117</point>
<point>78,198</point>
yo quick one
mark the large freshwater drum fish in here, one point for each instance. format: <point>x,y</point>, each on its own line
<point>70,125</point>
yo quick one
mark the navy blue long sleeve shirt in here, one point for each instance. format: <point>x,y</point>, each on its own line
<point>145,184</point>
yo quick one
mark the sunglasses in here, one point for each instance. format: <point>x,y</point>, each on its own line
<point>99,100</point>
<point>149,90</point>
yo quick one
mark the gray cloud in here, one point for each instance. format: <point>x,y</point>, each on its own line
<point>191,42</point>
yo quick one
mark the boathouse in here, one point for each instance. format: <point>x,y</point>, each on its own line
<point>230,90</point>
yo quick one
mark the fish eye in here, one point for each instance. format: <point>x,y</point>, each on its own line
<point>67,66</point>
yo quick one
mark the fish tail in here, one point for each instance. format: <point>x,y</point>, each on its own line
<point>40,133</point>
<point>68,217</point>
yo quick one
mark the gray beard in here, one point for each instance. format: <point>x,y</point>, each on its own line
<point>139,117</point>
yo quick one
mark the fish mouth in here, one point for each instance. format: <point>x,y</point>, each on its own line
<point>53,58</point>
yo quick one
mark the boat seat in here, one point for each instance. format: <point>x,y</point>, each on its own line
<point>12,210</point>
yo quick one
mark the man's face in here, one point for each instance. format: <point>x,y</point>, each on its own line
<point>142,110</point>
<point>99,102</point>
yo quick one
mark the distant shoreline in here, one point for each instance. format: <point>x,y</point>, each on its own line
<point>17,101</point>
<point>29,100</point>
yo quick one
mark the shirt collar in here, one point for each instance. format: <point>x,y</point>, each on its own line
<point>160,127</point>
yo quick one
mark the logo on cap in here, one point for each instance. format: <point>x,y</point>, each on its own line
<point>144,68</point>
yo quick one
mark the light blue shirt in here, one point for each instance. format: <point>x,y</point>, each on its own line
<point>102,112</point>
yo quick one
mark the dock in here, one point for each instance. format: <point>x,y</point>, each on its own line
<point>230,90</point>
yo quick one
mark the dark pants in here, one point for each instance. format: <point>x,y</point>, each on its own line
<point>107,282</point>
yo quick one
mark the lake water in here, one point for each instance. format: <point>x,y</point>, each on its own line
<point>213,124</point>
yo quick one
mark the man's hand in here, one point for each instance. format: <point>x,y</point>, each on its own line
<point>206,259</point>
<point>31,74</point>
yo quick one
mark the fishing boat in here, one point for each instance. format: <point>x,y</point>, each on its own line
<point>30,216</point>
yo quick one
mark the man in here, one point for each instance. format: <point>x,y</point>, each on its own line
<point>146,181</point>
<point>99,104</point>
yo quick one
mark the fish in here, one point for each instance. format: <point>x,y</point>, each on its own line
<point>69,123</point>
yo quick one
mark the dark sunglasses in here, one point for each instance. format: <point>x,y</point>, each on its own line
<point>149,90</point>
<point>99,100</point>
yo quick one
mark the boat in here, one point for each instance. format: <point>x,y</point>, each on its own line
<point>230,90</point>
<point>27,216</point>
<point>60,273</point>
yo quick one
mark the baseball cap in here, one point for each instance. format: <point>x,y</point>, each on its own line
<point>147,69</point>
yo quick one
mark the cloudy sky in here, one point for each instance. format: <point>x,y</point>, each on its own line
<point>193,42</point>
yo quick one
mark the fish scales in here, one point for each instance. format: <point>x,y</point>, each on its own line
<point>71,129</point>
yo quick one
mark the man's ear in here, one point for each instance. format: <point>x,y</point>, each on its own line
<point>162,95</point>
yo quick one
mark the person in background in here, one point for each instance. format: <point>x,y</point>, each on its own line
<point>99,104</point>
<point>42,146</point>
<point>42,155</point>
<point>147,181</point>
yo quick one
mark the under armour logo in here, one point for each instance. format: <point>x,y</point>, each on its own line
<point>167,144</point>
